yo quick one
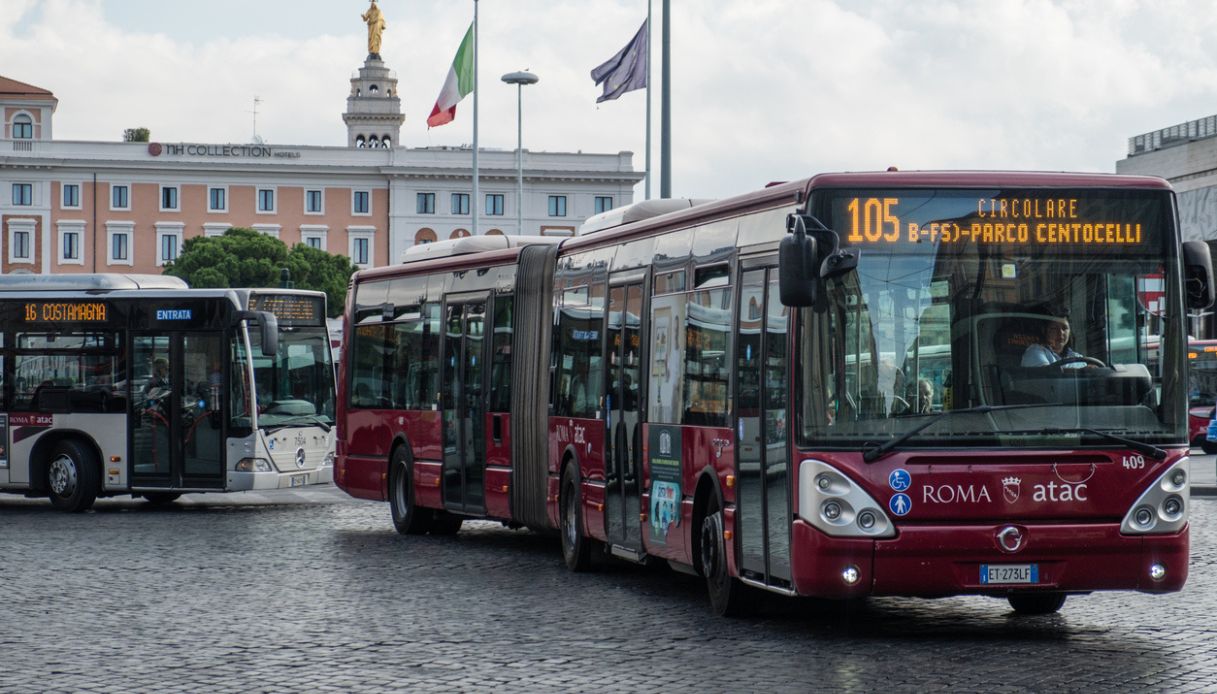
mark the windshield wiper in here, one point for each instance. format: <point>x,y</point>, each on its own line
<point>295,419</point>
<point>1138,446</point>
<point>883,449</point>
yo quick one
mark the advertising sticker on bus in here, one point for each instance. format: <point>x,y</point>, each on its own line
<point>3,440</point>
<point>665,482</point>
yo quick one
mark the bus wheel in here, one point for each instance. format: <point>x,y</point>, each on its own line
<point>72,476</point>
<point>1036,603</point>
<point>408,518</point>
<point>728,597</point>
<point>161,498</point>
<point>576,549</point>
<point>1209,447</point>
<point>446,523</point>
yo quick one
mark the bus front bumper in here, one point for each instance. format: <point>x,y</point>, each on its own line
<point>937,561</point>
<point>247,481</point>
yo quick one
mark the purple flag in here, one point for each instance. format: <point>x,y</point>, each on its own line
<point>625,71</point>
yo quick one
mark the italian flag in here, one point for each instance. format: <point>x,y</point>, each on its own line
<point>457,86</point>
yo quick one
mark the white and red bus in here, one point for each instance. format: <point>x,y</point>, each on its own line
<point>815,389</point>
<point>136,384</point>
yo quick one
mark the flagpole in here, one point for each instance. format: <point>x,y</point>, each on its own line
<point>649,25</point>
<point>665,117</point>
<point>473,204</point>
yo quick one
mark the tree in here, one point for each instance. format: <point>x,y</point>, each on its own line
<point>136,135</point>
<point>248,258</point>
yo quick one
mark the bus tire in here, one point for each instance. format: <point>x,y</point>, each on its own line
<point>73,476</point>
<point>1036,603</point>
<point>446,523</point>
<point>576,548</point>
<point>408,518</point>
<point>728,596</point>
<point>161,498</point>
<point>1209,447</point>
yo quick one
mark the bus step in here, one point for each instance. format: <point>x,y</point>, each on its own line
<point>628,554</point>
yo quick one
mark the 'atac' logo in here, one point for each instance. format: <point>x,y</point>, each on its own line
<point>665,444</point>
<point>1010,487</point>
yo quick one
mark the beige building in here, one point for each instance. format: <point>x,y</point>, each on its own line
<point>72,206</point>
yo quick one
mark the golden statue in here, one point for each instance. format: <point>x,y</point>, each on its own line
<point>376,27</point>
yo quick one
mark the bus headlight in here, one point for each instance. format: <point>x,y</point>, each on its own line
<point>1162,508</point>
<point>328,461</point>
<point>837,506</point>
<point>254,465</point>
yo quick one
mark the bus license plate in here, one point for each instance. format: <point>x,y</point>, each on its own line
<point>299,480</point>
<point>1009,573</point>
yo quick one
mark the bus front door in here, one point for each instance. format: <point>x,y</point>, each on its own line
<point>762,517</point>
<point>464,409</point>
<point>622,507</point>
<point>177,438</point>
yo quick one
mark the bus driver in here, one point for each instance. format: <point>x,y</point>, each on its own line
<point>1052,345</point>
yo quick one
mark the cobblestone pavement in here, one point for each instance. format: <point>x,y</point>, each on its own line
<point>314,591</point>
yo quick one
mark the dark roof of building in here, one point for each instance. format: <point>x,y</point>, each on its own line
<point>12,89</point>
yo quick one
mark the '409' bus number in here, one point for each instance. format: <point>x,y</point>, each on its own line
<point>1134,462</point>
<point>874,221</point>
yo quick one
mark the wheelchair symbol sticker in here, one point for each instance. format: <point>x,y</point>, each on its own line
<point>900,504</point>
<point>900,479</point>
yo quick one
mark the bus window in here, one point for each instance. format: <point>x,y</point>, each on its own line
<point>707,371</point>
<point>67,372</point>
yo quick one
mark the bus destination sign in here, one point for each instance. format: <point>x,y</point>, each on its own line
<point>1020,218</point>
<point>290,309</point>
<point>66,312</point>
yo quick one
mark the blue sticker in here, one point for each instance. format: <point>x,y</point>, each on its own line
<point>900,504</point>
<point>900,479</point>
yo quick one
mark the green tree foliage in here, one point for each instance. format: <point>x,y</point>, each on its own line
<point>136,135</point>
<point>247,258</point>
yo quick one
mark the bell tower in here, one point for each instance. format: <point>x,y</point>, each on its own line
<point>373,116</point>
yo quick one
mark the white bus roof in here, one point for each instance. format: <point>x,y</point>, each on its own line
<point>89,282</point>
<point>472,244</point>
<point>637,212</point>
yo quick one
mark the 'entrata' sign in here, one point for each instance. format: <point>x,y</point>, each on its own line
<point>191,149</point>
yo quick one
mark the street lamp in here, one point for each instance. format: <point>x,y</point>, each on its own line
<point>519,79</point>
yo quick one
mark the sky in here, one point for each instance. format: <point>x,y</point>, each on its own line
<point>762,90</point>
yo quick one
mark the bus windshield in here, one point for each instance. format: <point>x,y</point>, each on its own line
<point>296,387</point>
<point>1048,301</point>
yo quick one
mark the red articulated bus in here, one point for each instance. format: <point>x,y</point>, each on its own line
<point>835,387</point>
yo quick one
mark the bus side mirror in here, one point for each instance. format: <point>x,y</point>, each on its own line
<point>798,273</point>
<point>269,326</point>
<point>1198,274</point>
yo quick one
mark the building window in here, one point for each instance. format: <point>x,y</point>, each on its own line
<point>71,245</point>
<point>168,198</point>
<point>71,195</point>
<point>23,128</point>
<point>120,245</point>
<point>557,206</point>
<point>313,235</point>
<point>312,202</point>
<point>604,203</point>
<point>360,250</point>
<point>120,234</point>
<point>21,245</point>
<point>426,203</point>
<point>120,197</point>
<point>360,203</point>
<point>168,248</point>
<point>23,194</point>
<point>217,199</point>
<point>494,204</point>
<point>266,200</point>
<point>460,203</point>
